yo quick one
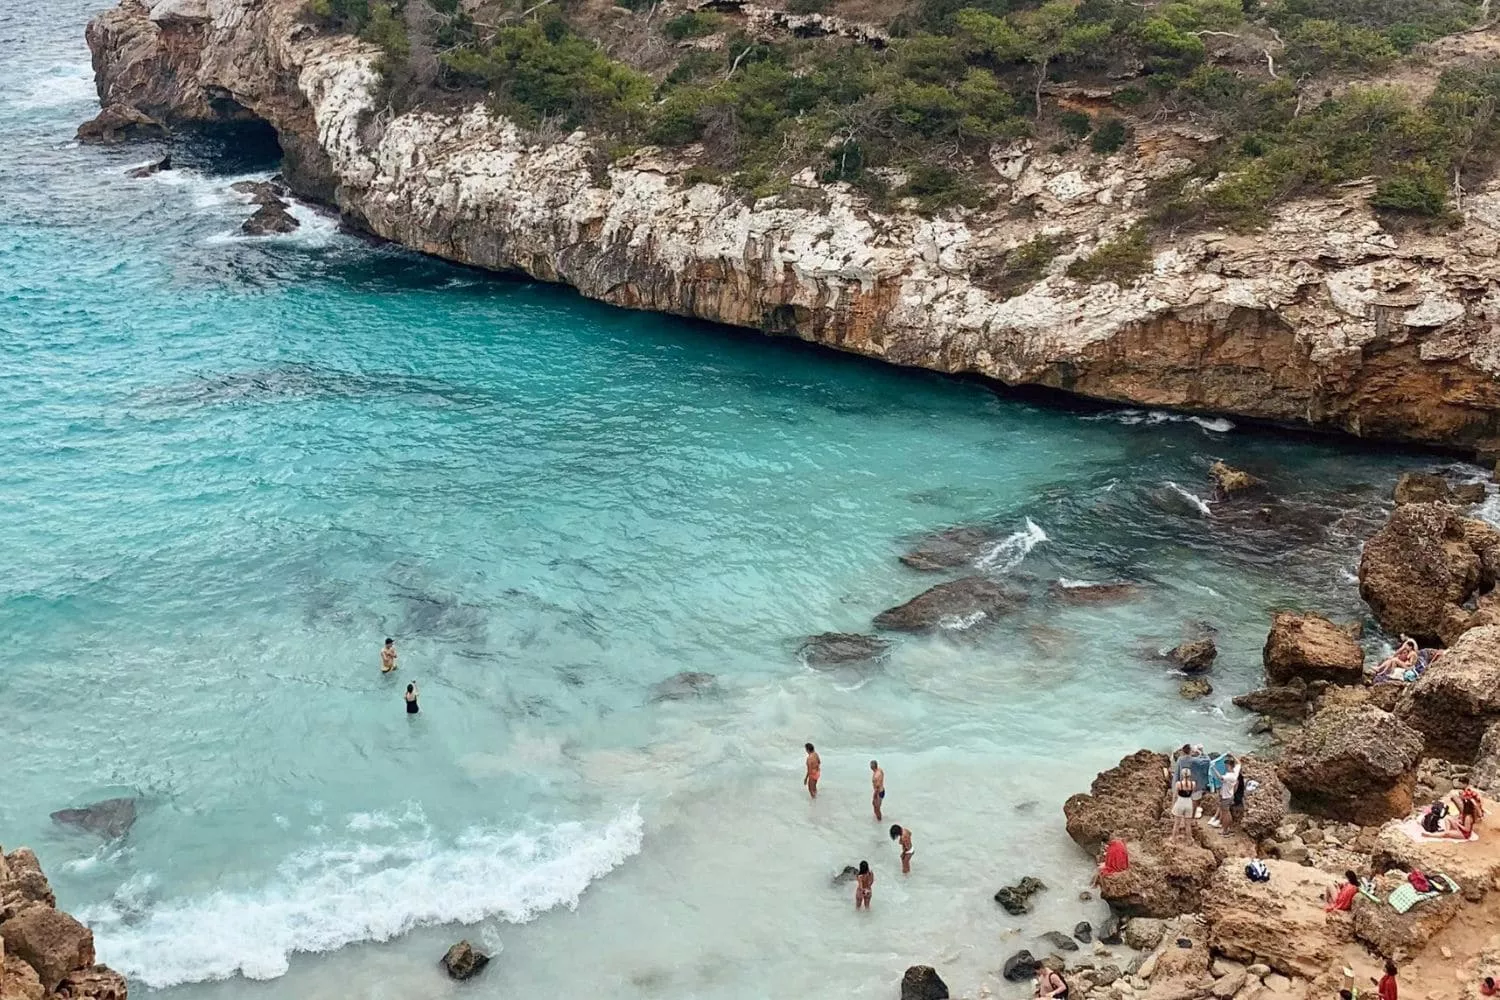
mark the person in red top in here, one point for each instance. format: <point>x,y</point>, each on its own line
<point>1116,859</point>
<point>1487,988</point>
<point>1387,986</point>
<point>1341,896</point>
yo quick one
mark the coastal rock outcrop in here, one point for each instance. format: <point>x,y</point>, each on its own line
<point>1398,936</point>
<point>1280,922</point>
<point>43,951</point>
<point>1128,800</point>
<point>1418,571</point>
<point>1320,317</point>
<point>120,123</point>
<point>48,940</point>
<point>1165,879</point>
<point>1485,774</point>
<point>1309,647</point>
<point>1475,866</point>
<point>1455,702</point>
<point>1353,763</point>
<point>961,604</point>
<point>1287,701</point>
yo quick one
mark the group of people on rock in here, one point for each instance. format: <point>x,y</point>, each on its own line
<point>1194,774</point>
<point>1406,664</point>
<point>864,881</point>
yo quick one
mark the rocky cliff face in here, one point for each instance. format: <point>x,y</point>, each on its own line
<point>1322,319</point>
<point>44,953</point>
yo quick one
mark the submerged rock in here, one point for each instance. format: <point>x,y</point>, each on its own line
<point>464,961</point>
<point>261,192</point>
<point>959,603</point>
<point>1110,932</point>
<point>110,819</point>
<point>1353,763</point>
<point>1194,688</point>
<point>921,982</point>
<point>154,167</point>
<point>849,874</point>
<point>837,649</point>
<point>120,123</point>
<point>1083,931</point>
<point>688,684</point>
<point>1309,647</point>
<point>950,548</point>
<point>1017,898</point>
<point>1094,593</point>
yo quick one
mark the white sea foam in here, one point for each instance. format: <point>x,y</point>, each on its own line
<point>339,894</point>
<point>1192,498</point>
<point>58,87</point>
<point>1010,550</point>
<point>1068,583</point>
<point>961,623</point>
<point>1216,425</point>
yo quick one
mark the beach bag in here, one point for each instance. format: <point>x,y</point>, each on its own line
<point>1432,821</point>
<point>1419,881</point>
<point>1256,871</point>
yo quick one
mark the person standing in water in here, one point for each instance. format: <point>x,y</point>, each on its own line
<point>864,885</point>
<point>877,781</point>
<point>388,656</point>
<point>411,699</point>
<point>814,770</point>
<point>902,834</point>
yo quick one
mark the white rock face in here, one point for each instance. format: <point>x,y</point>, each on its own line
<point>1322,318</point>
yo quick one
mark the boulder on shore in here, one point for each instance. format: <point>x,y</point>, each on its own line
<point>1353,763</point>
<point>1127,800</point>
<point>1287,701</point>
<point>110,819</point>
<point>1280,923</point>
<point>1455,702</point>
<point>1422,566</point>
<point>1309,647</point>
<point>840,649</point>
<point>922,982</point>
<point>1267,804</point>
<point>120,123</point>
<point>1165,879</point>
<point>464,961</point>
<point>1017,898</point>
<point>952,604</point>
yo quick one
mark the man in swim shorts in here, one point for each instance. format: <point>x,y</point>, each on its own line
<point>877,779</point>
<point>814,770</point>
<point>388,657</point>
<point>902,834</point>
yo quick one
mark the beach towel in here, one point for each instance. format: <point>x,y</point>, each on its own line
<point>1413,829</point>
<point>1405,896</point>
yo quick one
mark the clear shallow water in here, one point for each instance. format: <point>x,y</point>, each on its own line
<point>229,467</point>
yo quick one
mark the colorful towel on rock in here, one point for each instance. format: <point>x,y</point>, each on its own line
<point>1413,829</point>
<point>1404,896</point>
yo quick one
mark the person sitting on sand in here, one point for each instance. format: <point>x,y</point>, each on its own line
<point>1116,859</point>
<point>864,886</point>
<point>1340,896</point>
<point>1050,984</point>
<point>903,834</point>
<point>1182,806</point>
<point>1395,666</point>
<point>1461,827</point>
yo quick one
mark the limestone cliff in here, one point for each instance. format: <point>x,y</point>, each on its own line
<point>1322,319</point>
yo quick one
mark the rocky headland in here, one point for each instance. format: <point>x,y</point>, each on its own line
<point>44,953</point>
<point>1323,317</point>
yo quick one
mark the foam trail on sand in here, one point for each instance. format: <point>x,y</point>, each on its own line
<point>1010,550</point>
<point>339,894</point>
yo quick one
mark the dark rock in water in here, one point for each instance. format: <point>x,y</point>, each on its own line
<point>1109,931</point>
<point>464,961</point>
<point>1194,688</point>
<point>1084,931</point>
<point>688,684</point>
<point>1060,941</point>
<point>959,604</point>
<point>120,123</point>
<point>836,649</point>
<point>1289,701</point>
<point>849,874</point>
<point>950,548</point>
<point>1194,657</point>
<point>1229,480</point>
<point>1017,898</point>
<point>1469,493</point>
<point>110,819</point>
<point>922,982</point>
<point>165,163</point>
<point>1020,967</point>
<point>268,220</point>
<point>1093,593</point>
<point>261,192</point>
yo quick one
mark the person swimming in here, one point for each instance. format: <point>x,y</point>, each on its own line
<point>904,835</point>
<point>388,656</point>
<point>411,699</point>
<point>814,770</point>
<point>864,886</point>
<point>877,779</point>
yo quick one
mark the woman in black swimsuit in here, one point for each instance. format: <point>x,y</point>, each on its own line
<point>411,699</point>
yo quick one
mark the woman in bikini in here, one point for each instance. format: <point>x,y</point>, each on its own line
<point>1182,806</point>
<point>411,699</point>
<point>903,834</point>
<point>864,885</point>
<point>1462,827</point>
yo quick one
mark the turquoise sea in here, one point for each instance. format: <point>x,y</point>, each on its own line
<point>230,467</point>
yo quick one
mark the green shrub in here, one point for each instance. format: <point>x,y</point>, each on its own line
<point>1317,45</point>
<point>1109,136</point>
<point>1416,190</point>
<point>935,187</point>
<point>1022,266</point>
<point>1120,260</point>
<point>693,24</point>
<point>1076,123</point>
